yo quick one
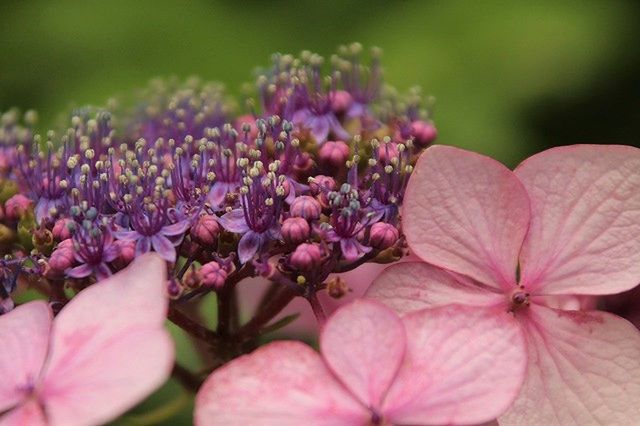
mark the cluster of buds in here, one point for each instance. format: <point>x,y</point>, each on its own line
<point>307,181</point>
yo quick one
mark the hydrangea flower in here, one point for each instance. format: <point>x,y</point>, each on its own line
<point>442,366</point>
<point>104,352</point>
<point>565,223</point>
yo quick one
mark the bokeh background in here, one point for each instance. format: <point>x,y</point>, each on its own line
<point>509,78</point>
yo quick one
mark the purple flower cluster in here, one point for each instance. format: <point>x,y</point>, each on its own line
<point>306,182</point>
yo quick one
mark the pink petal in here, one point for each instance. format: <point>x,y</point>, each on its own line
<point>585,224</point>
<point>24,342</point>
<point>464,365</point>
<point>109,349</point>
<point>584,368</point>
<point>467,213</point>
<point>363,343</point>
<point>410,286</point>
<point>28,414</point>
<point>282,383</point>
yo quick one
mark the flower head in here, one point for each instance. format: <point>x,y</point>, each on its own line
<point>104,352</point>
<point>430,367</point>
<point>564,223</point>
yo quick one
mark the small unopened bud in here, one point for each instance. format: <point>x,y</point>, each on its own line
<point>206,230</point>
<point>62,257</point>
<point>306,257</point>
<point>383,235</point>
<point>62,229</point>
<point>295,230</point>
<point>423,133</point>
<point>127,252</point>
<point>334,153</point>
<point>341,101</point>
<point>174,288</point>
<point>306,207</point>
<point>17,206</point>
<point>212,275</point>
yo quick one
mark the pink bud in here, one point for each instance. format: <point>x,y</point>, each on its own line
<point>206,230</point>
<point>423,133</point>
<point>17,206</point>
<point>61,229</point>
<point>62,257</point>
<point>341,101</point>
<point>387,151</point>
<point>127,250</point>
<point>334,153</point>
<point>295,230</point>
<point>212,275</point>
<point>174,288</point>
<point>383,235</point>
<point>306,207</point>
<point>322,184</point>
<point>306,257</point>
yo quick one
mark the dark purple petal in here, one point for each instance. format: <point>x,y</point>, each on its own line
<point>234,221</point>
<point>248,246</point>
<point>103,272</point>
<point>164,247</point>
<point>175,229</point>
<point>110,253</point>
<point>330,235</point>
<point>81,271</point>
<point>319,126</point>
<point>352,249</point>
<point>42,208</point>
<point>301,117</point>
<point>143,245</point>
<point>219,191</point>
<point>338,131</point>
<point>127,235</point>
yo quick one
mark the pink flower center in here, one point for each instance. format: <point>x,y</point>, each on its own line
<point>519,299</point>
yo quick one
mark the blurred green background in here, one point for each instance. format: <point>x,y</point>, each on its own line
<point>510,78</point>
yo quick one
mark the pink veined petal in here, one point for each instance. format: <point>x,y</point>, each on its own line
<point>410,286</point>
<point>363,343</point>
<point>466,213</point>
<point>463,365</point>
<point>584,369</point>
<point>585,224</point>
<point>81,271</point>
<point>143,245</point>
<point>27,414</point>
<point>282,383</point>
<point>24,342</point>
<point>109,348</point>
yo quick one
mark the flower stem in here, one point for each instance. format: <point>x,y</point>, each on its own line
<point>187,379</point>
<point>317,308</point>
<point>192,327</point>
<point>270,309</point>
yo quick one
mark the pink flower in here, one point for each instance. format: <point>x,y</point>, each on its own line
<point>104,352</point>
<point>565,223</point>
<point>430,367</point>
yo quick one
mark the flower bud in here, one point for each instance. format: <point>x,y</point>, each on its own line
<point>383,235</point>
<point>341,101</point>
<point>206,230</point>
<point>174,288</point>
<point>42,240</point>
<point>212,275</point>
<point>127,252</point>
<point>423,133</point>
<point>295,230</point>
<point>17,206</point>
<point>306,257</point>
<point>306,207</point>
<point>61,229</point>
<point>321,184</point>
<point>62,257</point>
<point>334,153</point>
